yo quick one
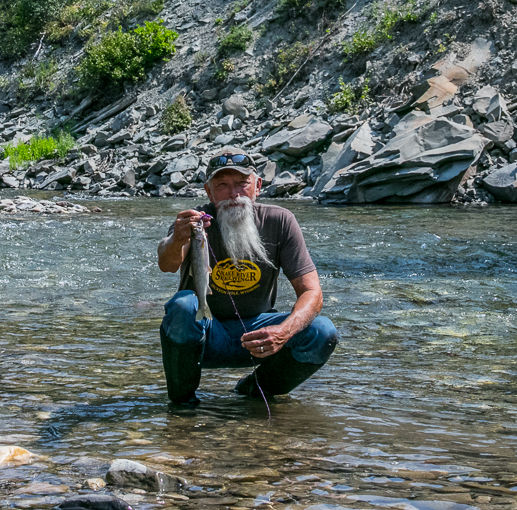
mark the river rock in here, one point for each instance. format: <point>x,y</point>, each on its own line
<point>503,183</point>
<point>420,165</point>
<point>128,473</point>
<point>59,175</point>
<point>15,455</point>
<point>94,502</point>
<point>284,183</point>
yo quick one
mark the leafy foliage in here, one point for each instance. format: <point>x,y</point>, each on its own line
<point>176,117</point>
<point>307,8</point>
<point>349,99</point>
<point>125,56</point>
<point>38,148</point>
<point>21,22</point>
<point>236,40</point>
<point>287,61</point>
<point>387,17</point>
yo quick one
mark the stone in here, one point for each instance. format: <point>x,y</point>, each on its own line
<point>177,180</point>
<point>129,178</point>
<point>157,166</point>
<point>14,455</point>
<point>420,165</point>
<point>182,164</point>
<point>118,137</point>
<point>498,131</point>
<point>94,502</point>
<point>175,143</point>
<point>235,106</point>
<point>61,176</point>
<point>128,473</point>
<point>297,142</point>
<point>9,181</point>
<point>502,183</point>
<point>226,123</point>
<point>490,104</point>
<point>284,183</point>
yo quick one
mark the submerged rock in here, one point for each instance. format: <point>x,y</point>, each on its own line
<point>94,502</point>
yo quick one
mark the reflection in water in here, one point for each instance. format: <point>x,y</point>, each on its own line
<point>416,408</point>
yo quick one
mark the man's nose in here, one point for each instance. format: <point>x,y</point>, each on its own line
<point>235,192</point>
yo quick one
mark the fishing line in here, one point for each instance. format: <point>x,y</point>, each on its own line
<point>255,366</point>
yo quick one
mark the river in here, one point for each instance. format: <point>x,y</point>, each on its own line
<point>416,409</point>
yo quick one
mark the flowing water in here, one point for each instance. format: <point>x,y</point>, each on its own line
<point>416,409</point>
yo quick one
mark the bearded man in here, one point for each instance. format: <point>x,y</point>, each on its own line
<point>249,244</point>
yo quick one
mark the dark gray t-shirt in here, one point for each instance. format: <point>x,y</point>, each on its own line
<point>252,284</point>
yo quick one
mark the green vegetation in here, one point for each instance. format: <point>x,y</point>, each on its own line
<point>43,73</point>
<point>287,61</point>
<point>386,18</point>
<point>22,22</point>
<point>176,117</point>
<point>125,56</point>
<point>38,148</point>
<point>308,7</point>
<point>224,69</point>
<point>236,40</point>
<point>349,99</point>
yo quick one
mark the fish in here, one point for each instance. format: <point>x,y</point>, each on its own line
<point>200,268</point>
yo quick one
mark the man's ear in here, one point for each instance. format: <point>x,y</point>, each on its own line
<point>258,184</point>
<point>208,192</point>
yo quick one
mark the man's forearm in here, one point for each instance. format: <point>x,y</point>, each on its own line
<point>170,254</point>
<point>307,307</point>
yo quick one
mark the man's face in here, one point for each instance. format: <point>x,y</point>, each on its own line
<point>230,184</point>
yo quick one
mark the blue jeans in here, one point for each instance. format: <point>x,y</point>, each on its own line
<point>189,345</point>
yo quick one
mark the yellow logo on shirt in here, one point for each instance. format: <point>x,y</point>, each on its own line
<point>237,278</point>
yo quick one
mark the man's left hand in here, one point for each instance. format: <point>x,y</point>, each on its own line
<point>265,341</point>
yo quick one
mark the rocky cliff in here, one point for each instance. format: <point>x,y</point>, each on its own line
<point>341,102</point>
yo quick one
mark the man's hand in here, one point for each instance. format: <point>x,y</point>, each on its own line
<point>173,248</point>
<point>265,341</point>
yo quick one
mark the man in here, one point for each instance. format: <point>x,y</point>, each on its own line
<point>248,245</point>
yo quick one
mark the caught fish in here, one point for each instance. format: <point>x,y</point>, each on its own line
<point>200,268</point>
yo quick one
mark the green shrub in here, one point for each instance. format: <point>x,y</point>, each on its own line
<point>22,22</point>
<point>224,69</point>
<point>349,99</point>
<point>308,7</point>
<point>287,61</point>
<point>176,117</point>
<point>236,40</point>
<point>386,18</point>
<point>125,56</point>
<point>38,148</point>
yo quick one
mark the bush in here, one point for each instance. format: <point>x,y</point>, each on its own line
<point>236,40</point>
<point>387,17</point>
<point>349,99</point>
<point>125,56</point>
<point>38,148</point>
<point>21,22</point>
<point>287,61</point>
<point>176,117</point>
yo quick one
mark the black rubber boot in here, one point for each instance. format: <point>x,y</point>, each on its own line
<point>276,375</point>
<point>182,366</point>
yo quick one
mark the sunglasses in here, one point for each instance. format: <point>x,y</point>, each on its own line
<point>235,159</point>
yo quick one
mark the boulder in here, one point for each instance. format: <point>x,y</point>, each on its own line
<point>488,103</point>
<point>128,473</point>
<point>182,164</point>
<point>94,502</point>
<point>503,183</point>
<point>419,165</point>
<point>62,176</point>
<point>298,141</point>
<point>284,183</point>
<point>235,106</point>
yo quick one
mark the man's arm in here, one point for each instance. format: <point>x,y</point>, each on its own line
<point>173,248</point>
<point>308,305</point>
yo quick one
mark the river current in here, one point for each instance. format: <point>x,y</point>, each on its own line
<point>416,409</point>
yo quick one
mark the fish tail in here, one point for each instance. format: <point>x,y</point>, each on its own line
<point>203,312</point>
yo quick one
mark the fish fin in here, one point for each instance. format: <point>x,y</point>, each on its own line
<point>209,291</point>
<point>199,314</point>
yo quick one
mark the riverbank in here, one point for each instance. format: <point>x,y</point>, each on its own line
<point>434,123</point>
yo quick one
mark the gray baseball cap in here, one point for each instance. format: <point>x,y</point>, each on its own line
<point>231,158</point>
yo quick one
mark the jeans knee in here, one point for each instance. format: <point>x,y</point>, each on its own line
<point>316,343</point>
<point>179,323</point>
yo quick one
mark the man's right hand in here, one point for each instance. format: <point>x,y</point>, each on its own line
<point>173,248</point>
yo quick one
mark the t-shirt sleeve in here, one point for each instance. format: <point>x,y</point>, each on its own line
<point>295,259</point>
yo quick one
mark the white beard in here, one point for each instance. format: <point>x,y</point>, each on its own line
<point>239,233</point>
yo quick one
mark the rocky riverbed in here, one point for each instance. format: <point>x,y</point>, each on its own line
<point>439,126</point>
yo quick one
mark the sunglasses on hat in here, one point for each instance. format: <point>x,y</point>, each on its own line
<point>229,160</point>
